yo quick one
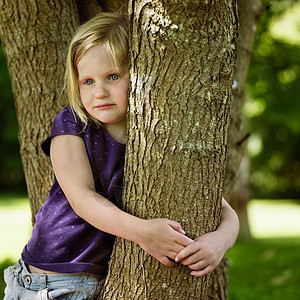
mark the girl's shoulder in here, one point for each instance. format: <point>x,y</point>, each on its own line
<point>68,118</point>
<point>66,122</point>
<point>67,113</point>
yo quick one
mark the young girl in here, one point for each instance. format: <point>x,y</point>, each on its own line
<point>72,239</point>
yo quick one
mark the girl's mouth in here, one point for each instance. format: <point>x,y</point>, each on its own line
<point>104,106</point>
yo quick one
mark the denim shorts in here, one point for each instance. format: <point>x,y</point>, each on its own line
<point>21,284</point>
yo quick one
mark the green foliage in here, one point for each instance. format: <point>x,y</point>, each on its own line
<point>265,270</point>
<point>11,170</point>
<point>273,105</point>
<point>3,265</point>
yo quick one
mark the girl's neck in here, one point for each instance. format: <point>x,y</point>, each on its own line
<point>117,131</point>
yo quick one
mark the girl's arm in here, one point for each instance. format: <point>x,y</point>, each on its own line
<point>162,238</point>
<point>208,249</point>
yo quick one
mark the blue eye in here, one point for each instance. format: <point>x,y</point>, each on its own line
<point>89,82</point>
<point>114,77</point>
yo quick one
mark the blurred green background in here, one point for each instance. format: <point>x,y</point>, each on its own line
<point>268,265</point>
<point>273,103</point>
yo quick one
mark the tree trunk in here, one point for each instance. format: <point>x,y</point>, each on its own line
<point>249,14</point>
<point>181,61</point>
<point>35,35</point>
<point>236,186</point>
<point>241,196</point>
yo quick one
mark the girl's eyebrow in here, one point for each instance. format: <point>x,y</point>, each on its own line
<point>115,70</point>
<point>112,70</point>
<point>84,77</point>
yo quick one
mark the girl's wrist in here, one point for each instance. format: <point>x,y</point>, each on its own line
<point>134,230</point>
<point>225,239</point>
<point>139,231</point>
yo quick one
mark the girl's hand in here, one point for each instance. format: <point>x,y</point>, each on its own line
<point>163,239</point>
<point>208,249</point>
<point>204,254</point>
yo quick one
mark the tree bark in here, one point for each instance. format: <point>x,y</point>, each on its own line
<point>181,60</point>
<point>249,14</point>
<point>236,186</point>
<point>35,35</point>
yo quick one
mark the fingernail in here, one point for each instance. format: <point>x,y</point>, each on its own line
<point>176,259</point>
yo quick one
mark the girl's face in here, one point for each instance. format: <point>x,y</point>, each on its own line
<point>103,87</point>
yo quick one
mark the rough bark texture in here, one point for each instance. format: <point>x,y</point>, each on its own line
<point>236,186</point>
<point>249,14</point>
<point>35,35</point>
<point>241,196</point>
<point>182,61</point>
<point>117,5</point>
<point>218,289</point>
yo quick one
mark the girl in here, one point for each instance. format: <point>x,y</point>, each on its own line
<point>72,239</point>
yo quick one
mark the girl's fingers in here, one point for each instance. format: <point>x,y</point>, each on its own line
<point>199,265</point>
<point>203,272</point>
<point>192,259</point>
<point>184,240</point>
<point>176,226</point>
<point>176,248</point>
<point>171,255</point>
<point>186,252</point>
<point>167,262</point>
<point>181,239</point>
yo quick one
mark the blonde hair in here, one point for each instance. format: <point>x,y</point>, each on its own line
<point>109,29</point>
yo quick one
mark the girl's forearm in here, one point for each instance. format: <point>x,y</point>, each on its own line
<point>104,215</point>
<point>161,238</point>
<point>229,226</point>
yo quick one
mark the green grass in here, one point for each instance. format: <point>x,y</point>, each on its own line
<point>3,265</point>
<point>15,229</point>
<point>266,268</point>
<point>15,225</point>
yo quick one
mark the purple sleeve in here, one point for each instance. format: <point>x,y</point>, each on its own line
<point>64,123</point>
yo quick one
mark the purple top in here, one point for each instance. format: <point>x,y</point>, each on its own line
<point>61,241</point>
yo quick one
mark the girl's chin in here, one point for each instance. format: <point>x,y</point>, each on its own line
<point>110,122</point>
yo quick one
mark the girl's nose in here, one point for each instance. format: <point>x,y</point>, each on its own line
<point>101,91</point>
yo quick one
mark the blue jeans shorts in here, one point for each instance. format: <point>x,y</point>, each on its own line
<point>21,284</point>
